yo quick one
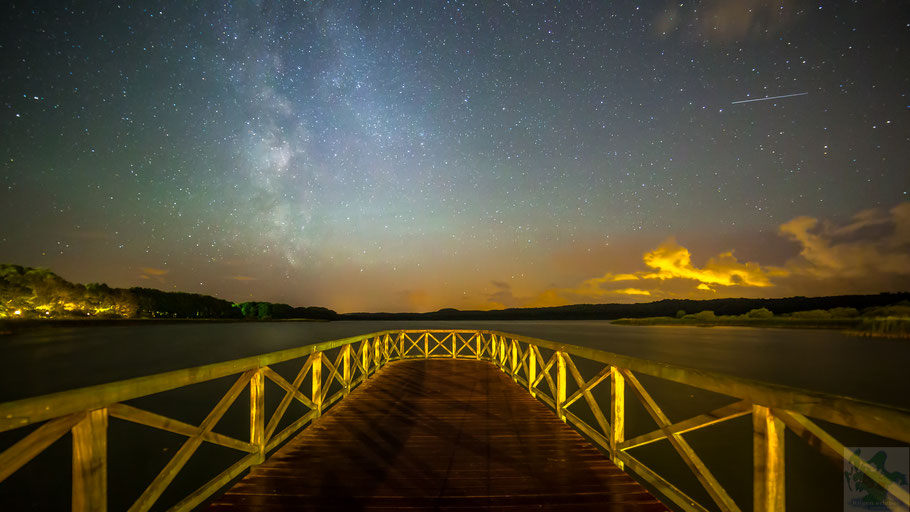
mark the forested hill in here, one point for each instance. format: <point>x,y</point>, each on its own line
<point>667,307</point>
<point>39,293</point>
<point>27,292</point>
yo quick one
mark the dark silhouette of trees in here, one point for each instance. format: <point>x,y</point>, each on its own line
<point>39,293</point>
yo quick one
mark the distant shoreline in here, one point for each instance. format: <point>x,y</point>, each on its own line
<point>881,327</point>
<point>15,326</point>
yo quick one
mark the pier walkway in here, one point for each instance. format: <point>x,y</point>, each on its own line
<point>438,434</point>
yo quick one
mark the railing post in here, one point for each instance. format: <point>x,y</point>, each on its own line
<point>514,347</point>
<point>767,461</point>
<point>386,354</point>
<point>316,374</point>
<point>401,345</point>
<point>532,370</point>
<point>90,462</point>
<point>502,353</point>
<point>365,358</point>
<point>560,384</point>
<point>477,338</point>
<point>426,345</point>
<point>257,413</point>
<point>377,357</point>
<point>617,413</point>
<point>346,368</point>
<point>454,345</point>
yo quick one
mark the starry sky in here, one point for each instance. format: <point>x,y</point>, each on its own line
<point>409,156</point>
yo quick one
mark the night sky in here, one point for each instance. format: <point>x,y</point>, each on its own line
<point>381,156</point>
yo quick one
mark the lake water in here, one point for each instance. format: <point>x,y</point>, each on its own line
<point>44,361</point>
<point>54,359</point>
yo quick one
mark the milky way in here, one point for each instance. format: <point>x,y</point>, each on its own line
<point>412,156</point>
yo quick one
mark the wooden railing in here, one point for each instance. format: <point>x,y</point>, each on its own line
<point>85,412</point>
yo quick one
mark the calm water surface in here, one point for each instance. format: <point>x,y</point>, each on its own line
<point>45,361</point>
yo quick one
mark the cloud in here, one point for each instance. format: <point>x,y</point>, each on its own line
<point>828,251</point>
<point>671,260</point>
<point>670,273</point>
<point>153,274</point>
<point>868,254</point>
<point>723,21</point>
<point>632,291</point>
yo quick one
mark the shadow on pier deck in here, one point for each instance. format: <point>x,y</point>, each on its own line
<point>438,435</point>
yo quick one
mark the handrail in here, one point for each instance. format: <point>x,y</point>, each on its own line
<point>774,408</point>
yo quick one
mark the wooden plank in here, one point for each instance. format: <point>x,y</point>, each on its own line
<point>514,358</point>
<point>346,368</point>
<point>477,441</point>
<point>257,414</point>
<point>617,414</point>
<point>316,380</point>
<point>31,445</point>
<point>560,384</point>
<point>90,463</point>
<point>767,461</point>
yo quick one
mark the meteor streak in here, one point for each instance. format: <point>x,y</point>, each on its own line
<point>771,98</point>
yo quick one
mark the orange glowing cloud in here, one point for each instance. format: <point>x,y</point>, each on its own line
<point>671,273</point>
<point>671,260</point>
<point>241,278</point>
<point>870,253</point>
<point>632,291</point>
<point>153,271</point>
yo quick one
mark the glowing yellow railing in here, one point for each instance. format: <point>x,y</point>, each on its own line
<point>85,412</point>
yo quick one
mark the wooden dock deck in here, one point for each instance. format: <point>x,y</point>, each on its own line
<point>438,434</point>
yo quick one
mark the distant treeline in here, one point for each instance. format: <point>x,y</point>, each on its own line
<point>27,292</point>
<point>667,307</point>
<point>274,311</point>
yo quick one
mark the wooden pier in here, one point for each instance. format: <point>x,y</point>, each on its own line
<point>438,434</point>
<point>444,420</point>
